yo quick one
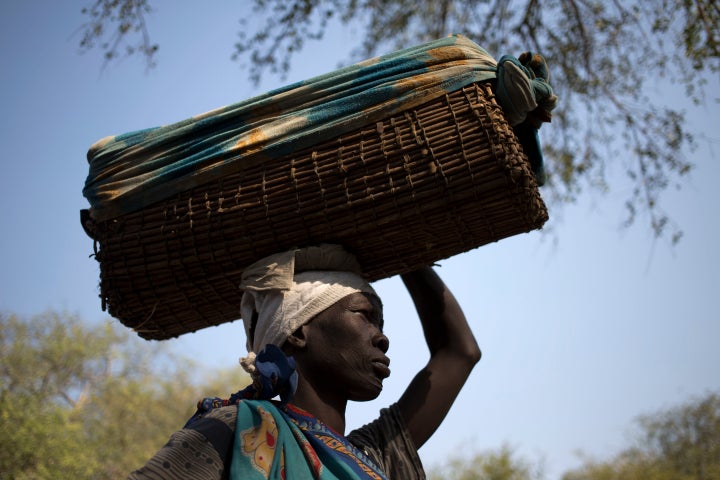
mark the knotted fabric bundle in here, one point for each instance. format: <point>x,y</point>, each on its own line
<point>527,101</point>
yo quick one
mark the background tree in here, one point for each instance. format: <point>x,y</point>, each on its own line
<point>89,402</point>
<point>500,464</point>
<point>80,401</point>
<point>605,58</point>
<point>681,443</point>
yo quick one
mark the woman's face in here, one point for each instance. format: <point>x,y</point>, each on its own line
<point>345,349</point>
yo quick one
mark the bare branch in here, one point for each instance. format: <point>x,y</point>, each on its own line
<point>112,24</point>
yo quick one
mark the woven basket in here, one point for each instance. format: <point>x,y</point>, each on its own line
<point>421,186</point>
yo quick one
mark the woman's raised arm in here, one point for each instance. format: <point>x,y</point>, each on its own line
<point>453,354</point>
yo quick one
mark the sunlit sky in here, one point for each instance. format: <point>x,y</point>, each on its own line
<point>582,329</point>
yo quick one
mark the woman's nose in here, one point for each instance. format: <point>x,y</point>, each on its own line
<point>381,341</point>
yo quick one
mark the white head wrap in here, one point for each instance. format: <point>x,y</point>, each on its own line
<point>284,291</point>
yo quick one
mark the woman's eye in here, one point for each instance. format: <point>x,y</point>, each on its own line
<point>366,315</point>
<point>370,317</point>
<point>363,313</point>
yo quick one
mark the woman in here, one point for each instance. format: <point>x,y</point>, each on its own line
<point>314,336</point>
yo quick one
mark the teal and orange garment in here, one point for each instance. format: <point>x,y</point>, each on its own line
<point>133,170</point>
<point>283,442</point>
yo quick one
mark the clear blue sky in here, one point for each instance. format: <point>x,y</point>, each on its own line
<point>581,330</point>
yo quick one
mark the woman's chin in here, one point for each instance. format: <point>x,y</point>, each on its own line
<point>368,394</point>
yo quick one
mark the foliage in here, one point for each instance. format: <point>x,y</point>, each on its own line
<point>605,58</point>
<point>86,402</point>
<point>111,23</point>
<point>682,443</point>
<point>503,464</point>
<point>80,401</point>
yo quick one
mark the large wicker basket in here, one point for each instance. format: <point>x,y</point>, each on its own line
<point>418,187</point>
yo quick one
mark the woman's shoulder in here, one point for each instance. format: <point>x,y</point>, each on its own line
<point>226,415</point>
<point>201,450</point>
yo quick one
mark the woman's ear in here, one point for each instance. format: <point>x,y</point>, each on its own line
<point>297,340</point>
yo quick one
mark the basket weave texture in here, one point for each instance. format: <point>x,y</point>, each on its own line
<point>420,186</point>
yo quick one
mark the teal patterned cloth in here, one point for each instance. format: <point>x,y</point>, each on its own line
<point>133,170</point>
<point>286,443</point>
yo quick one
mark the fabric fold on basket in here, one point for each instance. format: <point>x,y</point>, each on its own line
<point>133,170</point>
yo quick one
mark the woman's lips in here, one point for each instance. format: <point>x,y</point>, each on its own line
<point>381,367</point>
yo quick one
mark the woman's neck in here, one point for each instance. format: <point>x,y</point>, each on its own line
<point>327,408</point>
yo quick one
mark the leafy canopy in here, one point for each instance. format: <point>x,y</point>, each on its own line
<point>80,401</point>
<point>681,443</point>
<point>500,464</point>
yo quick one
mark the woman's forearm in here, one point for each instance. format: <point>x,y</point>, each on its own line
<point>443,321</point>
